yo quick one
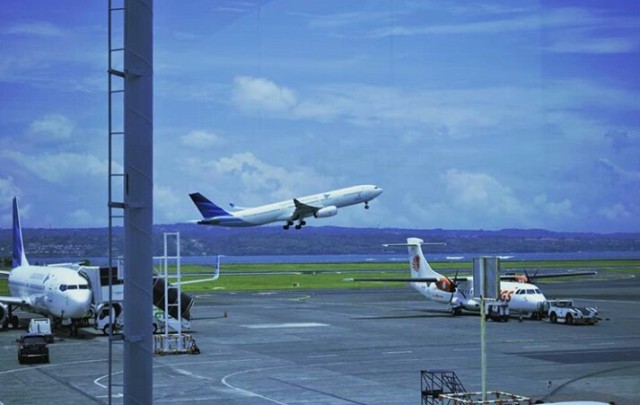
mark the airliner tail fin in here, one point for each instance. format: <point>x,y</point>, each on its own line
<point>19,258</point>
<point>207,208</point>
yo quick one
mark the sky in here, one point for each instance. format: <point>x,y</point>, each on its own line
<point>470,115</point>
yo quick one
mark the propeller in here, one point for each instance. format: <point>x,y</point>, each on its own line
<point>452,286</point>
<point>528,278</point>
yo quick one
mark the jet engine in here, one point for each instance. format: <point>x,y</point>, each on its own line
<point>4,312</point>
<point>326,212</point>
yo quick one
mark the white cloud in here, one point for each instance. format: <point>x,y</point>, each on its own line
<point>168,205</point>
<point>39,28</point>
<point>252,93</point>
<point>52,128</point>
<point>615,212</point>
<point>201,139</point>
<point>58,167</point>
<point>481,192</point>
<point>562,209</point>
<point>256,181</point>
<point>83,218</point>
<point>617,173</point>
<point>593,45</point>
<point>8,189</point>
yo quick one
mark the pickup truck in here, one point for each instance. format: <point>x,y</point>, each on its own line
<point>565,310</point>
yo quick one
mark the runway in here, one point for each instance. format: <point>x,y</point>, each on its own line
<point>354,347</point>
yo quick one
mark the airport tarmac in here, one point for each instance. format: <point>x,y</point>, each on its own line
<point>354,347</point>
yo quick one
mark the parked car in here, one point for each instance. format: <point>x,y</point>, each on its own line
<point>32,346</point>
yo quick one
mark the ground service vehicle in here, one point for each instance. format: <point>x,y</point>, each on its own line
<point>32,346</point>
<point>566,311</point>
<point>41,326</point>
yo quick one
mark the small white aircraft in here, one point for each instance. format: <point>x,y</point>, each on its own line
<point>56,290</point>
<point>521,295</point>
<point>320,205</point>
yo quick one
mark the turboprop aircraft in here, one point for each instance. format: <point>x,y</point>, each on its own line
<point>320,205</point>
<point>517,290</point>
<point>57,291</point>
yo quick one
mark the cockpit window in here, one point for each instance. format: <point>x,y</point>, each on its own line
<point>537,290</point>
<point>65,287</point>
<point>520,292</point>
<point>531,292</point>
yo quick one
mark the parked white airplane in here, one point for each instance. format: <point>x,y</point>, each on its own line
<point>521,295</point>
<point>320,205</point>
<point>56,290</point>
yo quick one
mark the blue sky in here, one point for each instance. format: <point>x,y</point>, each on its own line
<point>476,115</point>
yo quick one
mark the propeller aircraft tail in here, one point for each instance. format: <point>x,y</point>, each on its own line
<point>419,267</point>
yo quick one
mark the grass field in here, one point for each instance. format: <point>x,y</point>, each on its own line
<point>336,275</point>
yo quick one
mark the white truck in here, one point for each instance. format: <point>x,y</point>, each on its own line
<point>41,326</point>
<point>564,310</point>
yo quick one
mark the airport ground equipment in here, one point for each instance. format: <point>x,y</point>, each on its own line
<point>434,383</point>
<point>173,310</point>
<point>564,310</point>
<point>492,398</point>
<point>32,346</point>
<point>497,311</point>
<point>174,344</point>
<point>108,307</point>
<point>41,326</point>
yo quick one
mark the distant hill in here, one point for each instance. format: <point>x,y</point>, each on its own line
<point>273,240</point>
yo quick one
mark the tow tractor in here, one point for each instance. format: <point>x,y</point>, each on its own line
<point>564,310</point>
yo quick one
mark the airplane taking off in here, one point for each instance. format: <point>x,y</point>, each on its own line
<point>320,205</point>
<point>56,290</point>
<point>520,294</point>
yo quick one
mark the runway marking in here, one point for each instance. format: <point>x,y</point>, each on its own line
<point>285,325</point>
<point>399,352</point>
<point>247,392</point>
<point>321,356</point>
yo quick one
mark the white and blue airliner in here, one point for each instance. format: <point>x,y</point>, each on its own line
<point>320,205</point>
<point>55,291</point>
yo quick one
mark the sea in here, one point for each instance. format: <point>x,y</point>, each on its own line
<point>369,258</point>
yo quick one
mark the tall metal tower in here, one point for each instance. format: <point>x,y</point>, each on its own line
<point>131,186</point>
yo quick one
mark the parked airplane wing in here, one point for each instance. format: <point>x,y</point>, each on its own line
<point>406,280</point>
<point>15,300</point>
<point>527,278</point>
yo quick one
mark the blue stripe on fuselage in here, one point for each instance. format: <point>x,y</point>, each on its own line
<point>226,221</point>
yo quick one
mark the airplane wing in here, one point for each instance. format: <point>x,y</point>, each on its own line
<point>526,278</point>
<point>404,280</point>
<point>5,272</point>
<point>303,210</point>
<point>15,300</point>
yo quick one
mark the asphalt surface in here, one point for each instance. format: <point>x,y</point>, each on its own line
<point>353,347</point>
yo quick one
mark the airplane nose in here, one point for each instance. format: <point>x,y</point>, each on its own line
<point>78,304</point>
